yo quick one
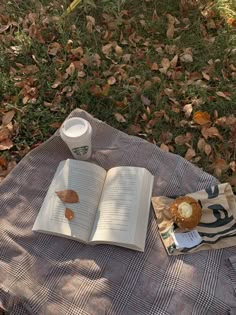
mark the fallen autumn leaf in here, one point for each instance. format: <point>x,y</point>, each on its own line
<point>68,195</point>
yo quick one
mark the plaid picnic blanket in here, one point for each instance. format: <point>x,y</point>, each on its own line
<point>44,274</point>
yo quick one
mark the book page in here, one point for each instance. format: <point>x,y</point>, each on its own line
<point>118,211</point>
<point>87,180</point>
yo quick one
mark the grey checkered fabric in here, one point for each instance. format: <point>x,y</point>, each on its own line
<point>43,274</point>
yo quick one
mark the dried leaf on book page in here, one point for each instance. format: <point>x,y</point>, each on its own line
<point>69,196</point>
<point>69,214</point>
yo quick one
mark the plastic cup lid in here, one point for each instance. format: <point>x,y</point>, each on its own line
<point>74,128</point>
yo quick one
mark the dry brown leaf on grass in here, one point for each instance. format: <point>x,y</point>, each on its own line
<point>154,66</point>
<point>232,180</point>
<point>54,48</point>
<point>4,134</point>
<point>188,108</point>
<point>183,139</point>
<point>7,117</point>
<point>68,195</point>
<point>164,147</point>
<point>218,166</point>
<point>107,49</point>
<point>119,117</point>
<point>90,23</point>
<point>223,95</point>
<point>118,50</point>
<point>171,26</point>
<point>211,133</point>
<point>203,146</point>
<point>6,144</point>
<point>69,214</point>
<point>8,168</point>
<point>190,154</point>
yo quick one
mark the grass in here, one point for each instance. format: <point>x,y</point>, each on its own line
<point>140,30</point>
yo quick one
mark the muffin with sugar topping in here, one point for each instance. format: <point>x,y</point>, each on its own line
<point>186,212</point>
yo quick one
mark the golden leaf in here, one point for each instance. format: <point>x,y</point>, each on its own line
<point>69,214</point>
<point>201,118</point>
<point>68,195</point>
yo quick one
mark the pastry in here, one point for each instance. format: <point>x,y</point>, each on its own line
<point>186,212</point>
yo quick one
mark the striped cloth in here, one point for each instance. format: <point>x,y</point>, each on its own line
<point>217,227</point>
<point>44,274</point>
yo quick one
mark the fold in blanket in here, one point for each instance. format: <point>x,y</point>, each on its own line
<point>217,227</point>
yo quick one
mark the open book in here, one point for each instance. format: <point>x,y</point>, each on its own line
<point>113,206</point>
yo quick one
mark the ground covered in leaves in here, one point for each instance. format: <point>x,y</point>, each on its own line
<point>161,70</point>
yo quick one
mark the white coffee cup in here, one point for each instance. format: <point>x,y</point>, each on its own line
<point>76,133</point>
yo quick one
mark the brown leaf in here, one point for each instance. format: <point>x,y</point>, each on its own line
<point>3,162</point>
<point>232,180</point>
<point>164,147</point>
<point>174,61</point>
<point>219,165</point>
<point>90,23</point>
<point>182,139</point>
<point>188,108</point>
<point>154,66</point>
<point>55,125</point>
<point>77,51</point>
<point>231,21</point>
<point>146,101</point>
<point>4,134</point>
<point>8,117</point>
<point>186,58</point>
<point>170,30</point>
<point>4,28</point>
<point>106,49</point>
<point>201,118</point>
<point>207,149</point>
<point>68,195</point>
<point>95,90</point>
<point>105,89</point>
<point>118,50</point>
<point>190,154</point>
<point>119,117</point>
<point>81,74</point>
<point>69,214</point>
<point>211,132</point>
<point>223,95</point>
<point>54,48</point>
<point>111,80</point>
<point>6,144</point>
<point>71,69</point>
<point>165,62</point>
<point>205,76</point>
<point>232,165</point>
<point>10,167</point>
<point>201,144</point>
